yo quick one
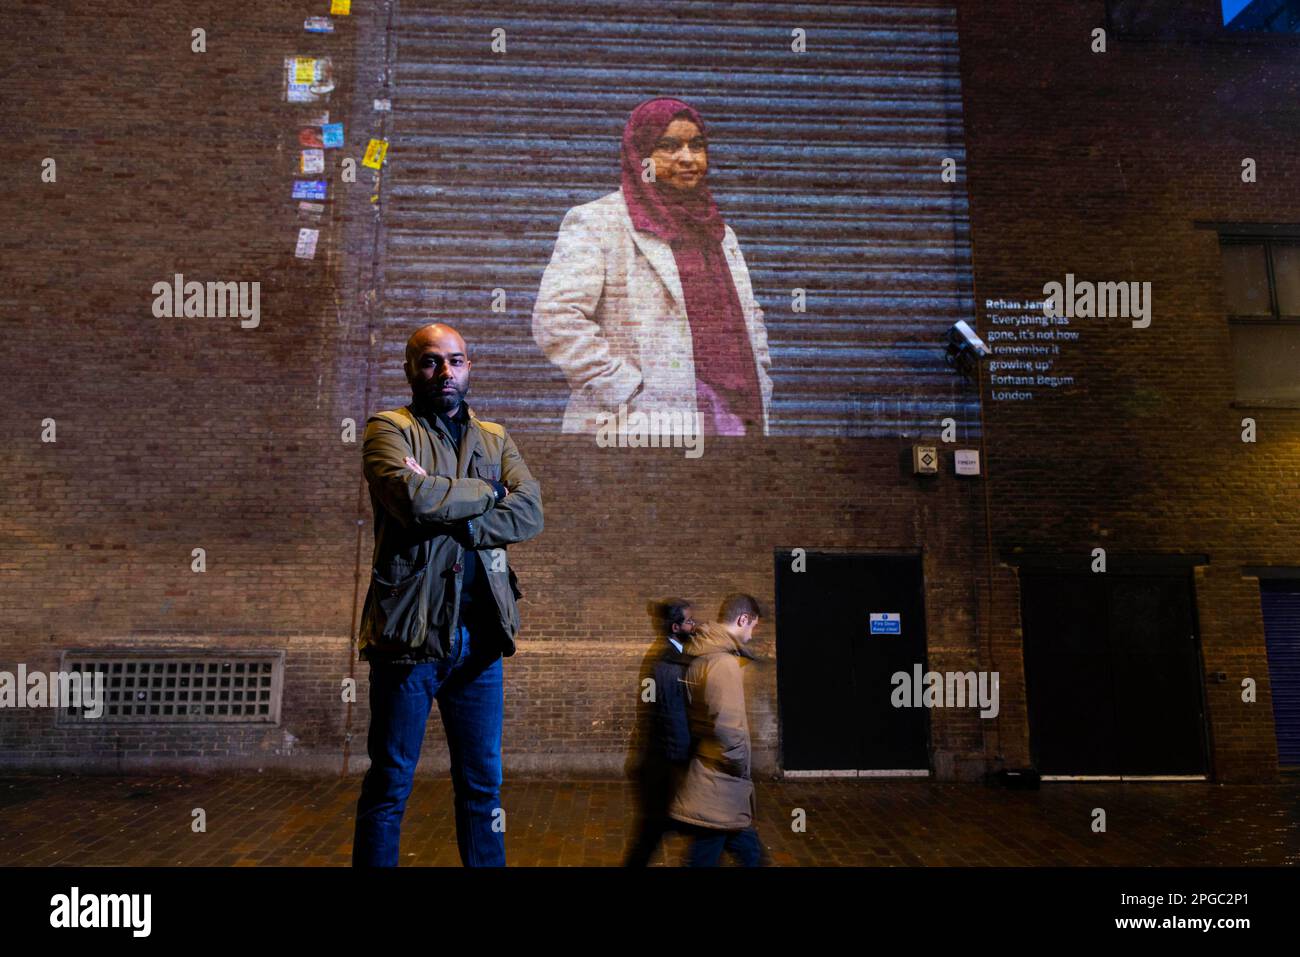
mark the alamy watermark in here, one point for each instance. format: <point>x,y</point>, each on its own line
<point>56,689</point>
<point>212,300</point>
<point>75,909</point>
<point>951,689</point>
<point>658,428</point>
<point>1103,300</point>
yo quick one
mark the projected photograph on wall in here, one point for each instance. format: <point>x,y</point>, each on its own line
<point>677,211</point>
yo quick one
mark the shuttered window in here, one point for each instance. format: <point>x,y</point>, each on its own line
<point>1280,599</point>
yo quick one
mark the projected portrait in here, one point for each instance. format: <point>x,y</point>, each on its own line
<point>743,219</point>
<point>646,305</point>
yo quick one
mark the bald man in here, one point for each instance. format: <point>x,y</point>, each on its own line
<point>449,493</point>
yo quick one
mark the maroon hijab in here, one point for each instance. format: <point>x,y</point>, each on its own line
<point>725,373</point>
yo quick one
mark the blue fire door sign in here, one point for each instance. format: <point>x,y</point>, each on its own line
<point>886,623</point>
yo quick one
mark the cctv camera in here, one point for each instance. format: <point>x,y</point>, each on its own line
<point>965,339</point>
<point>965,349</point>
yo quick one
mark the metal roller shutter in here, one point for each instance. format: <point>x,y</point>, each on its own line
<point>826,164</point>
<point>1280,599</point>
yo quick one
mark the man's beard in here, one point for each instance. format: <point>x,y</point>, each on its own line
<point>440,401</point>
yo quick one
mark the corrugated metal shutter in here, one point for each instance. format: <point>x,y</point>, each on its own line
<point>1280,599</point>
<point>826,164</point>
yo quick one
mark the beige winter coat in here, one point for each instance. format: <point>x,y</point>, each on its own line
<point>611,315</point>
<point>717,790</point>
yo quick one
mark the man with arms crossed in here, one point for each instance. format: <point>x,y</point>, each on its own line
<point>449,492</point>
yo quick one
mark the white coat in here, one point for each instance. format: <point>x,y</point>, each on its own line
<point>611,315</point>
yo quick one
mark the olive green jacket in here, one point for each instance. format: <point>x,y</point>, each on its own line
<point>424,523</point>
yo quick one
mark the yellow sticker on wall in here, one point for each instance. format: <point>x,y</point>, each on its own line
<point>375,154</point>
<point>340,8</point>
<point>304,70</point>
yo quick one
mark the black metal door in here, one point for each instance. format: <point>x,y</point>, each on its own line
<point>1113,674</point>
<point>834,684</point>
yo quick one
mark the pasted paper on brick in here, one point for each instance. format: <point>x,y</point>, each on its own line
<point>375,154</point>
<point>307,243</point>
<point>309,188</point>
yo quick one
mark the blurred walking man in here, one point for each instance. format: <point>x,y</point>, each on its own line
<point>716,799</point>
<point>669,742</point>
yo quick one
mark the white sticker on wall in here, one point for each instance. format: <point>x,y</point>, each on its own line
<point>307,243</point>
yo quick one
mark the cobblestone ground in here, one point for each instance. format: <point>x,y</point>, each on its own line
<point>257,819</point>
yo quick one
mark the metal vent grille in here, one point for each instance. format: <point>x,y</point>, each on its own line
<point>186,688</point>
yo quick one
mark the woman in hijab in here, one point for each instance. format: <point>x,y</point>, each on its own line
<point>646,305</point>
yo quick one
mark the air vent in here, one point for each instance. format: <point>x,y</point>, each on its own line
<point>182,687</point>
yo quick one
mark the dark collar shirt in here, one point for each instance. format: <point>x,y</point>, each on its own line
<point>473,585</point>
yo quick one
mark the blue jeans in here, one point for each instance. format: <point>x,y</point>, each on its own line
<point>708,843</point>
<point>468,688</point>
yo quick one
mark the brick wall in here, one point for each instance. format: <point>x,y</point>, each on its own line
<point>1098,164</point>
<point>172,433</point>
<point>176,434</point>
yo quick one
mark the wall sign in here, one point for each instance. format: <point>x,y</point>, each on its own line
<point>886,623</point>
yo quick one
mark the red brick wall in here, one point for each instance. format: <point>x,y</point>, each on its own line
<point>182,433</point>
<point>172,433</point>
<point>1098,164</point>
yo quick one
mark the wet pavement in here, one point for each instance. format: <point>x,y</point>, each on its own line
<point>258,819</point>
